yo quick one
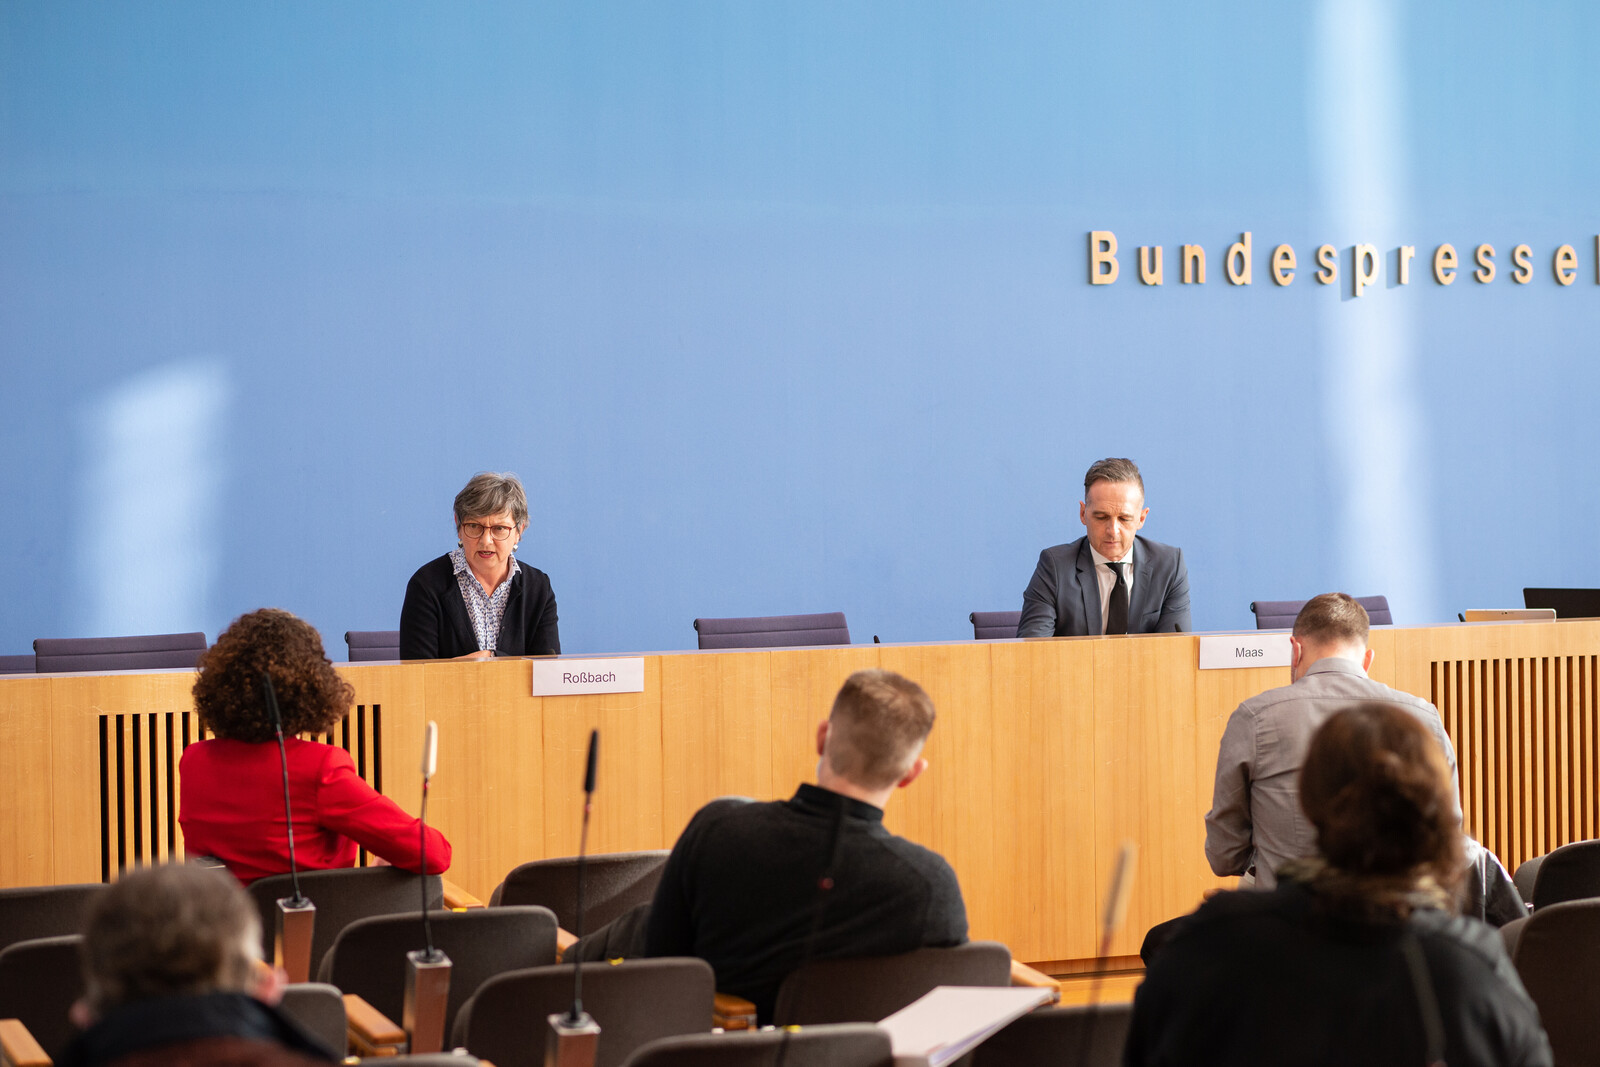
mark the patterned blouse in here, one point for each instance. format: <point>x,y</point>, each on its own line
<point>485,610</point>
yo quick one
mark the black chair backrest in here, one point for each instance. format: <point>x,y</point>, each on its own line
<point>369,955</point>
<point>318,1009</point>
<point>774,631</point>
<point>62,655</point>
<point>17,664</point>
<point>994,625</point>
<point>1571,872</point>
<point>368,645</point>
<point>1555,957</point>
<point>848,1045</point>
<point>34,911</point>
<point>635,1002</point>
<point>342,896</point>
<point>39,980</point>
<point>1279,614</point>
<point>870,988</point>
<point>1057,1035</point>
<point>612,884</point>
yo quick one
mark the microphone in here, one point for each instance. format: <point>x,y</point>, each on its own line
<point>427,989</point>
<point>574,1036</point>
<point>297,916</point>
<point>1116,910</point>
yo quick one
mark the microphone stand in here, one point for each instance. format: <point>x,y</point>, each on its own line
<point>427,989</point>
<point>296,917</point>
<point>574,1036</point>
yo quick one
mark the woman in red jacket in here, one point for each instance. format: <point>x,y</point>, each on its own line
<point>231,787</point>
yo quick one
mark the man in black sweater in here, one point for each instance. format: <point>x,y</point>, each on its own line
<point>755,888</point>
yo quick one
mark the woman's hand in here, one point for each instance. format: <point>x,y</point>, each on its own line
<point>482,653</point>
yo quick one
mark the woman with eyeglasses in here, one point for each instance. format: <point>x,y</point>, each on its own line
<point>480,601</point>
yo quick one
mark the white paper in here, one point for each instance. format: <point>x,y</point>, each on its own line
<point>951,1021</point>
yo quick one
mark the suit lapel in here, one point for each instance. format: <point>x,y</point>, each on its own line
<point>1089,589</point>
<point>1139,603</point>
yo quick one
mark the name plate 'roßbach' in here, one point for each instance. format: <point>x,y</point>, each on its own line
<point>572,677</point>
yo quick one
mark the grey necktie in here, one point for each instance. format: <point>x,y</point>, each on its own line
<point>1117,612</point>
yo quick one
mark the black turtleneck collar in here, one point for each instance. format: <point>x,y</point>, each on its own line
<point>815,800</point>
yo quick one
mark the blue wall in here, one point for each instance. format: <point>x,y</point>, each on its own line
<point>781,307</point>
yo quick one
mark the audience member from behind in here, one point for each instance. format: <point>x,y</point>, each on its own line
<point>231,795</point>
<point>1255,820</point>
<point>743,886</point>
<point>172,965</point>
<point>1339,962</point>
<point>478,601</point>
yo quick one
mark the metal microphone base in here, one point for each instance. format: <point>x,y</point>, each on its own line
<point>571,1043</point>
<point>427,993</point>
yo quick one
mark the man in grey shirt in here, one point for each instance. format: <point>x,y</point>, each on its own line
<point>1255,818</point>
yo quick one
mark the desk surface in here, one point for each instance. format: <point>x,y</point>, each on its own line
<point>1046,754</point>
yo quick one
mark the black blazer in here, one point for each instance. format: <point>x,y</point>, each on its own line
<point>434,623</point>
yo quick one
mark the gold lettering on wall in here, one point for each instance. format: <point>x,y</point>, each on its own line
<point>1328,260</point>
<point>1406,254</point>
<point>1444,264</point>
<point>1565,264</point>
<point>1194,265</point>
<point>1522,256</point>
<point>1485,257</point>
<point>1283,264</point>
<point>1150,266</point>
<point>1364,266</point>
<point>1241,250</point>
<point>1102,254</point>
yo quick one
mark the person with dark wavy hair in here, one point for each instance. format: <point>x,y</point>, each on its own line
<point>1356,956</point>
<point>231,787</point>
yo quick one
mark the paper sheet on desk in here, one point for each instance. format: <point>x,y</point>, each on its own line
<point>952,1020</point>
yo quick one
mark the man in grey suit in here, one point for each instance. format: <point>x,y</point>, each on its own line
<point>1110,581</point>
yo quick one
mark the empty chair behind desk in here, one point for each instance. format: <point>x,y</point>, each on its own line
<point>39,980</point>
<point>994,625</point>
<point>1571,872</point>
<point>63,655</point>
<point>1080,1035</point>
<point>635,1002</point>
<point>342,896</point>
<point>849,1045</point>
<point>774,631</point>
<point>870,988</point>
<point>30,912</point>
<point>1280,614</point>
<point>368,645</point>
<point>613,883</point>
<point>17,664</point>
<point>368,957</point>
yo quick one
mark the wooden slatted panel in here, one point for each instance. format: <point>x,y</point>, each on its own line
<point>1527,748</point>
<point>139,754</point>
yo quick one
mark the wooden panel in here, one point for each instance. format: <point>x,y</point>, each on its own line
<point>716,731</point>
<point>627,803</point>
<point>29,849</point>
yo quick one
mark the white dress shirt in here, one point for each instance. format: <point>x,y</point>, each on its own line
<point>1108,580</point>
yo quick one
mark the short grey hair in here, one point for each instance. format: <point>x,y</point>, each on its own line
<point>490,493</point>
<point>1113,470</point>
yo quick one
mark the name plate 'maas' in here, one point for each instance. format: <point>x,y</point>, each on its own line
<point>1225,651</point>
<point>571,677</point>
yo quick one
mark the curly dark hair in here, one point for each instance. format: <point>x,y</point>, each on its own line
<point>311,695</point>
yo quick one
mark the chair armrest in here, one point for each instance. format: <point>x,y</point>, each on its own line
<point>458,899</point>
<point>372,1033</point>
<point>733,1013</point>
<point>1023,975</point>
<point>565,939</point>
<point>17,1046</point>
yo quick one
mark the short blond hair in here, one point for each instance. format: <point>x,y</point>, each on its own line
<point>880,720</point>
<point>174,930</point>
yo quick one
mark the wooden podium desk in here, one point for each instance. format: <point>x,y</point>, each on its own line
<point>1046,754</point>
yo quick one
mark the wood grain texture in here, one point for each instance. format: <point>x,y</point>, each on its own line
<point>1046,755</point>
